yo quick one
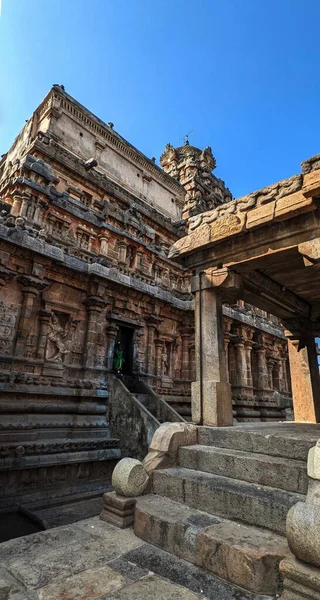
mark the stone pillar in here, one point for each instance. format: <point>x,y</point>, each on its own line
<point>44,318</point>
<point>211,393</point>
<point>304,372</point>
<point>112,332</point>
<point>185,365</point>
<point>94,308</point>
<point>31,287</point>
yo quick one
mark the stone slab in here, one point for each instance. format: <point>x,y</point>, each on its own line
<point>277,439</point>
<point>156,588</point>
<point>261,506</point>
<point>257,468</point>
<point>184,573</point>
<point>39,559</point>
<point>91,584</point>
<point>245,556</point>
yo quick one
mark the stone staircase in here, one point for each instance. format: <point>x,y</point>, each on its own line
<point>158,406</point>
<point>224,507</point>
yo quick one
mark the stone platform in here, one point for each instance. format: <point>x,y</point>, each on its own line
<point>93,560</point>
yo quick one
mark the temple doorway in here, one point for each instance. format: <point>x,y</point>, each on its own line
<point>125,337</point>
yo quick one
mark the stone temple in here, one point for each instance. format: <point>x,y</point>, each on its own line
<point>136,324</point>
<point>86,225</point>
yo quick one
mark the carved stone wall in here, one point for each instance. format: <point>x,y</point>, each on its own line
<point>82,259</point>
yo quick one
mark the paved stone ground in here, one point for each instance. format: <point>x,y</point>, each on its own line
<point>92,560</point>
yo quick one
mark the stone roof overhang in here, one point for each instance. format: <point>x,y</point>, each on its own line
<point>271,240</point>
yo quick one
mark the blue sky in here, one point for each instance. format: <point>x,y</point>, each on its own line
<point>243,74</point>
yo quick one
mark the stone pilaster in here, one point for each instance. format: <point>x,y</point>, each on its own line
<point>94,307</point>
<point>31,287</point>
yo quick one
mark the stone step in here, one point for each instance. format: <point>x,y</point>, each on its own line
<point>245,556</point>
<point>292,440</point>
<point>256,505</point>
<point>272,471</point>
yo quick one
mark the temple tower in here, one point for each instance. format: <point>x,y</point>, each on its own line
<point>193,168</point>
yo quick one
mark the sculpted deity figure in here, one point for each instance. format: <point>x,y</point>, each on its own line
<point>58,342</point>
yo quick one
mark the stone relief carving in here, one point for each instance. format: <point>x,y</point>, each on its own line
<point>58,338</point>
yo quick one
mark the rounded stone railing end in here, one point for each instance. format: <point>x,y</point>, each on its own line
<point>129,478</point>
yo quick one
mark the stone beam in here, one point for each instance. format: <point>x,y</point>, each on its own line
<point>266,292</point>
<point>251,250</point>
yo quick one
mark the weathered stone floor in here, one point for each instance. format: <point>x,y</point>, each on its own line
<point>92,560</point>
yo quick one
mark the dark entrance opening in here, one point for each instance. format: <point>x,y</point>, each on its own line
<point>125,337</point>
<point>16,523</point>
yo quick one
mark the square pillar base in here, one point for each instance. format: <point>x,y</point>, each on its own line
<point>118,510</point>
<point>216,403</point>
